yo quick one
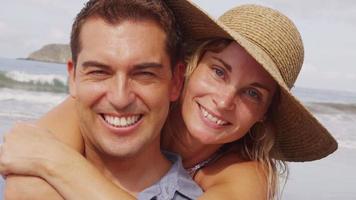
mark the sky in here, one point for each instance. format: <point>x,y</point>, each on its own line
<point>327,28</point>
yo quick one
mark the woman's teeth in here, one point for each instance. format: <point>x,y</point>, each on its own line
<point>212,118</point>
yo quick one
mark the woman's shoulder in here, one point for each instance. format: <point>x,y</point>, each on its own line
<point>234,176</point>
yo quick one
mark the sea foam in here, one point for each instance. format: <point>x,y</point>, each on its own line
<point>31,97</point>
<point>37,78</point>
<point>33,82</point>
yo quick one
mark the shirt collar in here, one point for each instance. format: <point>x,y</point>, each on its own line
<point>175,180</point>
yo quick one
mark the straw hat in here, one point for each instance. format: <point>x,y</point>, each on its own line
<point>274,41</point>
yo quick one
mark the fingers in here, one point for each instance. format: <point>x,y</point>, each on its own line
<point>26,129</point>
<point>24,125</point>
<point>3,169</point>
<point>23,149</point>
<point>12,140</point>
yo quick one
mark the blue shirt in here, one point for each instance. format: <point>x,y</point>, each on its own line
<point>176,184</point>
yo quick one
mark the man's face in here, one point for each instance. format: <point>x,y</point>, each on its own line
<point>123,86</point>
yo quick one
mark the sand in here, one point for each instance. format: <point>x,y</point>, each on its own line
<point>332,178</point>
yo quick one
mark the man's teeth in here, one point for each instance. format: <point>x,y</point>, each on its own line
<point>211,118</point>
<point>121,121</point>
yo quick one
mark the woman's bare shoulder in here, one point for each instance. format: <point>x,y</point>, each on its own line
<point>62,121</point>
<point>232,178</point>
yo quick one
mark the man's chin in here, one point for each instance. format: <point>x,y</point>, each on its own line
<point>121,153</point>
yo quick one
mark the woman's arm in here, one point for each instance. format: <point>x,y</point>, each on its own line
<point>233,179</point>
<point>62,122</point>
<point>29,188</point>
<point>31,151</point>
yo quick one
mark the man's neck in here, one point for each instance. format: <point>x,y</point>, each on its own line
<point>134,173</point>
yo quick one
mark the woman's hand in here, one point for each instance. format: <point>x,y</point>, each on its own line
<point>31,150</point>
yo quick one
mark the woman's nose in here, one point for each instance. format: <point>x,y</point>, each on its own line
<point>225,99</point>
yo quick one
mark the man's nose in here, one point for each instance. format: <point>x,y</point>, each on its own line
<point>120,93</point>
<point>225,98</point>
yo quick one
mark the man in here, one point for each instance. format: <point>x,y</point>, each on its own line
<point>123,78</point>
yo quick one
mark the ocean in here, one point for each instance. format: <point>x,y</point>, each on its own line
<point>28,89</point>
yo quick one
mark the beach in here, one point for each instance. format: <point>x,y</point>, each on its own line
<point>29,89</point>
<point>332,178</point>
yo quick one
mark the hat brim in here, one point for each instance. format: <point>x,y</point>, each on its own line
<point>299,137</point>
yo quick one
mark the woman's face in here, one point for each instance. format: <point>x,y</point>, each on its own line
<point>227,93</point>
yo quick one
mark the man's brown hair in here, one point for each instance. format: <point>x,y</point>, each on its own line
<point>116,11</point>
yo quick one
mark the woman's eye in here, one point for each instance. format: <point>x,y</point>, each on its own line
<point>253,94</point>
<point>219,72</point>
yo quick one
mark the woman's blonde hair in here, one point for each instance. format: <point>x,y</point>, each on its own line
<point>257,144</point>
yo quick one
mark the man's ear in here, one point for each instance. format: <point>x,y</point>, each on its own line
<point>71,81</point>
<point>177,81</point>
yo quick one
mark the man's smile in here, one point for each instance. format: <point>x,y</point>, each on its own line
<point>123,121</point>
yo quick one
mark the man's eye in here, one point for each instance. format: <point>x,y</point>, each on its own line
<point>145,74</point>
<point>97,72</point>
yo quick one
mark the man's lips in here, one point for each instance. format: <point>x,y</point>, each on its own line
<point>122,121</point>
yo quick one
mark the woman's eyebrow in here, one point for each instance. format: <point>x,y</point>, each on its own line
<point>259,85</point>
<point>227,66</point>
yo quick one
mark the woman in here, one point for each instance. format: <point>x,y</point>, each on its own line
<point>236,120</point>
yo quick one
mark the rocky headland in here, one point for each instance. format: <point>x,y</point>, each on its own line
<point>58,53</point>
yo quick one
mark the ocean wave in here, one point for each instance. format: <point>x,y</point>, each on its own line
<point>30,96</point>
<point>347,144</point>
<point>331,108</point>
<point>33,82</point>
<point>309,95</point>
<point>37,78</point>
<point>18,116</point>
<point>340,121</point>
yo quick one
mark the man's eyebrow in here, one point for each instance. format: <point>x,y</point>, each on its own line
<point>93,63</point>
<point>146,65</point>
<point>140,66</point>
<point>227,66</point>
